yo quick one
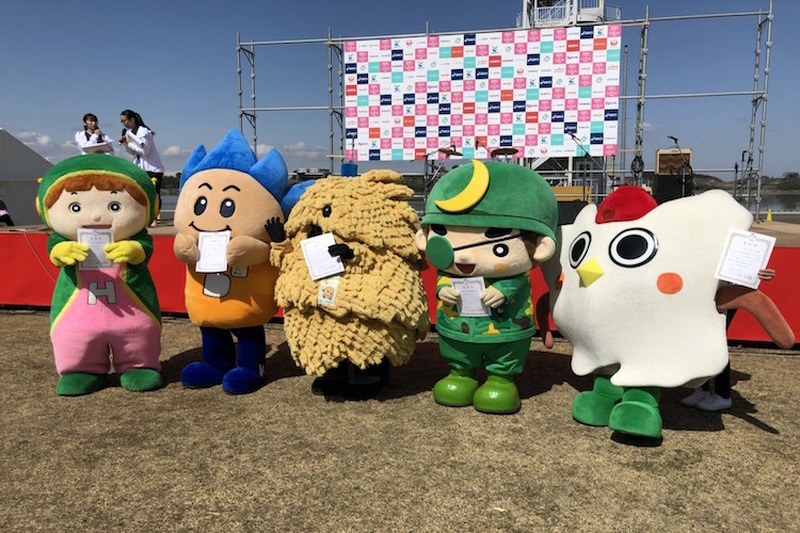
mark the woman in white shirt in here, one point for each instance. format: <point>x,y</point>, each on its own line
<point>91,139</point>
<point>138,141</point>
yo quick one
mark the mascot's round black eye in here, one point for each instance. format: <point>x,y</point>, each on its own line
<point>579,248</point>
<point>115,206</point>
<point>438,229</point>
<point>500,250</point>
<point>75,207</point>
<point>633,247</point>
<point>493,233</point>
<point>227,208</point>
<point>326,210</point>
<point>200,205</point>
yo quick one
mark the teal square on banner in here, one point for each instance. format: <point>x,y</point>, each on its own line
<point>481,96</point>
<point>507,72</point>
<point>397,77</point>
<point>597,126</point>
<point>612,55</point>
<point>546,47</point>
<point>518,129</point>
<point>397,154</point>
<point>433,75</point>
<point>468,153</point>
<point>362,100</point>
<point>469,62</point>
<point>532,94</point>
<point>374,67</point>
<point>584,92</point>
<point>444,52</point>
<point>557,139</point>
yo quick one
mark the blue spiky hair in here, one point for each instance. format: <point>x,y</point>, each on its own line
<point>234,153</point>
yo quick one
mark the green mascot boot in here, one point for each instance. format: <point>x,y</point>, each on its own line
<point>593,407</point>
<point>637,413</point>
<point>80,383</point>
<point>497,396</point>
<point>457,389</point>
<point>140,379</point>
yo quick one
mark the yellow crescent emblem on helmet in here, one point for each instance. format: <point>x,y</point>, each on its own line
<point>472,193</point>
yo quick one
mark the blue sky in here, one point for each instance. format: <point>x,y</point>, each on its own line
<point>175,63</point>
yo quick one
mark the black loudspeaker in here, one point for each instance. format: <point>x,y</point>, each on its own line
<point>666,188</point>
<point>568,211</point>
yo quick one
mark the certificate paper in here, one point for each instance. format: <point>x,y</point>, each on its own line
<point>97,148</point>
<point>744,255</point>
<point>319,262</point>
<point>469,302</point>
<point>96,239</point>
<point>212,246</point>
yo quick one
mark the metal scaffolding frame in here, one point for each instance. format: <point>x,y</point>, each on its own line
<point>752,171</point>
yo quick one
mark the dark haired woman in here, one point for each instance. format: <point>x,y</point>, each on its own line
<point>90,137</point>
<point>138,141</point>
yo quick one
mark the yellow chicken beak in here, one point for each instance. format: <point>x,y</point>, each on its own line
<point>590,271</point>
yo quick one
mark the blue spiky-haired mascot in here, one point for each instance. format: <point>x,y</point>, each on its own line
<point>229,190</point>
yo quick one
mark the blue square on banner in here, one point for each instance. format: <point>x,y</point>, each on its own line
<point>397,154</point>
<point>362,100</point>
<point>469,62</point>
<point>468,153</point>
<point>433,75</point>
<point>444,52</point>
<point>506,140</point>
<point>532,94</point>
<point>596,138</point>
<point>506,72</point>
<point>374,155</point>
<point>612,55</point>
<point>571,127</point>
<point>481,96</point>
<point>546,47</point>
<point>584,92</point>
<point>482,73</point>
<point>457,74</point>
<point>597,126</point>
<point>557,139</point>
<point>350,68</point>
<point>469,39</point>
<point>533,60</point>
<point>374,66</point>
<point>397,77</point>
<point>351,133</point>
<point>518,129</point>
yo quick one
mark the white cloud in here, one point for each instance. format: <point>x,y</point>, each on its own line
<point>34,137</point>
<point>651,127</point>
<point>262,149</point>
<point>175,150</point>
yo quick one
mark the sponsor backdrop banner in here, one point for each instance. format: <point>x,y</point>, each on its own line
<point>527,89</point>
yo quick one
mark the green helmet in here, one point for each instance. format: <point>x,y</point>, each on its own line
<point>493,194</point>
<point>97,164</point>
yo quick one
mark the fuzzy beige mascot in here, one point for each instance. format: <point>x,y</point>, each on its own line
<point>375,309</point>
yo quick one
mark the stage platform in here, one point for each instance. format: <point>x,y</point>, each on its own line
<point>28,276</point>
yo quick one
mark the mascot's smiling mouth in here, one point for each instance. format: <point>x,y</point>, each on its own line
<point>97,226</point>
<point>191,225</point>
<point>465,268</point>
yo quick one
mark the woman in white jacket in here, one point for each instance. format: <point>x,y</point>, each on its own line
<point>138,141</point>
<point>91,139</point>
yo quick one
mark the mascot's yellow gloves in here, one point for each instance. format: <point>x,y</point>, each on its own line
<point>68,252</point>
<point>125,252</point>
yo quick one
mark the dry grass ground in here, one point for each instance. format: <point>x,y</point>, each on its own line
<point>283,460</point>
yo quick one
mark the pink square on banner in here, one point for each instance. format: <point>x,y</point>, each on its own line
<point>408,65</point>
<point>531,140</point>
<point>598,68</point>
<point>520,83</point>
<point>482,50</point>
<point>544,128</point>
<point>397,133</point>
<point>420,109</point>
<point>545,105</point>
<point>351,111</point>
<point>374,88</point>
<point>351,154</point>
<point>350,46</point>
<point>615,30</point>
<point>433,142</point>
<point>433,41</point>
<point>408,142</point>
<point>421,53</point>
<point>386,143</point>
<point>584,115</point>
<point>362,57</point>
<point>469,85</point>
<point>363,122</point>
<point>612,91</point>
<point>494,84</point>
<point>560,34</point>
<point>559,58</point>
<point>397,111</point>
<point>585,80</point>
<point>468,130</point>
<point>386,66</point>
<point>457,141</point>
<point>587,56</point>
<point>571,104</point>
<point>420,87</point>
<point>506,118</point>
<point>457,119</point>
<point>609,149</point>
<point>598,103</point>
<point>457,97</point>
<point>520,48</point>
<point>558,93</point>
<point>444,86</point>
<point>534,36</point>
<point>374,110</point>
<point>481,119</point>
<point>508,37</point>
<point>494,129</point>
<point>572,69</point>
<point>386,44</point>
<point>432,120</point>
